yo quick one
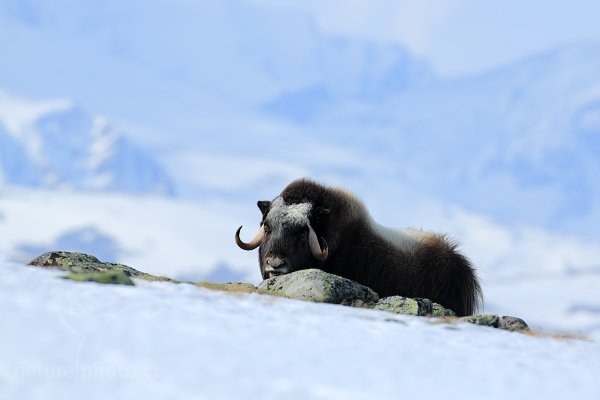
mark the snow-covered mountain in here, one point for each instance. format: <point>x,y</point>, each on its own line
<point>14,165</point>
<point>58,145</point>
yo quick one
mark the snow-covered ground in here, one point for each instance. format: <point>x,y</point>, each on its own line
<point>67,340</point>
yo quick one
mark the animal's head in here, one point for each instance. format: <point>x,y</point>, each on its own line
<point>286,239</point>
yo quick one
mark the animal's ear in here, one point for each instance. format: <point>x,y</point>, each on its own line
<point>264,207</point>
<point>321,212</point>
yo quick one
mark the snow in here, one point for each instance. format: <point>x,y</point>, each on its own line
<point>63,339</point>
<point>17,113</point>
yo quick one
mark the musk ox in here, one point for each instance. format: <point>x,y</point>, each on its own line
<point>314,226</point>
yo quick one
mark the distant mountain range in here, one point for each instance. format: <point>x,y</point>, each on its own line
<point>57,144</point>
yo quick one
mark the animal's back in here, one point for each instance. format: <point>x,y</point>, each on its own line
<point>411,263</point>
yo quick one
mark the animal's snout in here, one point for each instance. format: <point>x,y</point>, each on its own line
<point>275,266</point>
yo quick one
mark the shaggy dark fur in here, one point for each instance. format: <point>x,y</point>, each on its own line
<point>428,266</point>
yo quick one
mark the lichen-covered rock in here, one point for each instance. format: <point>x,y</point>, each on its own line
<point>236,287</point>
<point>66,261</point>
<point>403,305</point>
<point>416,306</point>
<point>81,263</point>
<point>107,277</point>
<point>495,321</point>
<point>483,319</point>
<point>438,310</point>
<point>513,324</point>
<point>318,286</point>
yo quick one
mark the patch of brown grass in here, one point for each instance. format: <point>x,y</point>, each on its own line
<point>557,335</point>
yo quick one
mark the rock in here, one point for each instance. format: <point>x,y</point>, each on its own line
<point>83,263</point>
<point>403,305</point>
<point>513,324</point>
<point>108,277</point>
<point>66,261</point>
<point>236,287</point>
<point>416,306</point>
<point>437,310</point>
<point>484,319</point>
<point>494,321</point>
<point>318,286</point>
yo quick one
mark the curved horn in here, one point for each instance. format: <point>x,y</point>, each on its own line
<point>315,248</point>
<point>254,243</point>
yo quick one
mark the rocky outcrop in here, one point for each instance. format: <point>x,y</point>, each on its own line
<point>495,321</point>
<point>308,285</point>
<point>322,287</point>
<point>417,306</point>
<point>84,263</point>
<point>318,286</point>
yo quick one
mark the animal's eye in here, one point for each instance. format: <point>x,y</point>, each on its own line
<point>302,233</point>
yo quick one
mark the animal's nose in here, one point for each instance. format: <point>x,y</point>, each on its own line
<point>274,266</point>
<point>274,262</point>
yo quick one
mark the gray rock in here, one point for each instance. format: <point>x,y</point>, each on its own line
<point>416,306</point>
<point>513,324</point>
<point>318,286</point>
<point>437,310</point>
<point>494,321</point>
<point>402,305</point>
<point>484,319</point>
<point>115,277</point>
<point>84,263</point>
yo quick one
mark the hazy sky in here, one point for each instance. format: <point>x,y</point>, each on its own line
<point>461,36</point>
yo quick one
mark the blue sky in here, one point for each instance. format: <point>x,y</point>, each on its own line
<point>179,76</point>
<point>461,36</point>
